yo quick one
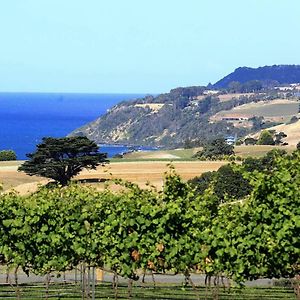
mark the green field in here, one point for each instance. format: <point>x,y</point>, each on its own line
<point>271,110</point>
<point>187,154</point>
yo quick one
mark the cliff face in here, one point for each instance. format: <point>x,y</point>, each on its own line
<point>277,73</point>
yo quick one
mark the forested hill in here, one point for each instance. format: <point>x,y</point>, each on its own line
<point>194,114</point>
<point>279,74</point>
<point>184,115</point>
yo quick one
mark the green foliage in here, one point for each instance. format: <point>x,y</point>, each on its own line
<point>265,163</point>
<point>176,230</point>
<point>227,183</point>
<point>250,141</point>
<point>7,155</point>
<point>238,142</point>
<point>278,137</point>
<point>182,117</point>
<point>215,149</point>
<point>62,158</point>
<point>247,87</point>
<point>266,138</point>
<point>268,75</point>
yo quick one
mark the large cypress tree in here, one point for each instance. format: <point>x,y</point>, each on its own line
<point>62,158</point>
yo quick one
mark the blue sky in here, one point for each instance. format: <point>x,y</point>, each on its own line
<point>140,46</point>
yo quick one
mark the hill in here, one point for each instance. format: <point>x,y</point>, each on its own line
<point>168,119</point>
<point>277,74</point>
<point>189,116</point>
<point>292,130</point>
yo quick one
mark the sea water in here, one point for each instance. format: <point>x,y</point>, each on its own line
<point>25,118</point>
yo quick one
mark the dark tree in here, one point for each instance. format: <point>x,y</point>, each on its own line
<point>6,155</point>
<point>266,138</point>
<point>265,163</point>
<point>250,141</point>
<point>226,182</point>
<point>231,183</point>
<point>62,158</point>
<point>293,119</point>
<point>202,182</point>
<point>278,137</point>
<point>215,149</point>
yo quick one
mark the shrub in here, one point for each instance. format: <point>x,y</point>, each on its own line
<point>216,149</point>
<point>6,155</point>
<point>266,138</point>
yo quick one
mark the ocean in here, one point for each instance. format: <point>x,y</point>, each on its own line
<point>25,118</point>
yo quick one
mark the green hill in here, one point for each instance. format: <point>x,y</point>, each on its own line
<point>277,74</point>
<point>189,116</point>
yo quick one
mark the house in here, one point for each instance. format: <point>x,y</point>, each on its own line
<point>230,140</point>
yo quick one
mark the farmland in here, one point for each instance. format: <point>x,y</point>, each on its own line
<point>138,167</point>
<point>277,110</point>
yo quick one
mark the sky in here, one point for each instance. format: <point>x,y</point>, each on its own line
<point>140,46</point>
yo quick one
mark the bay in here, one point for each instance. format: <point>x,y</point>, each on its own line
<point>25,118</point>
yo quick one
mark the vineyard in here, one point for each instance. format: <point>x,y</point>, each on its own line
<point>136,232</point>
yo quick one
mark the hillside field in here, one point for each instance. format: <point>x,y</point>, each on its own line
<point>277,110</point>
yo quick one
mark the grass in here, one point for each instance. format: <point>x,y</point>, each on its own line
<point>138,167</point>
<point>187,154</point>
<point>146,291</point>
<point>277,108</point>
<point>259,150</point>
<point>167,155</point>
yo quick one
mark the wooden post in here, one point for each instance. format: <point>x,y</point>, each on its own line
<point>99,274</point>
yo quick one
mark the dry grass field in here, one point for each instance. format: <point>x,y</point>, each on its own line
<point>150,171</point>
<point>259,150</point>
<point>291,130</point>
<point>11,178</point>
<point>138,167</point>
<point>137,172</point>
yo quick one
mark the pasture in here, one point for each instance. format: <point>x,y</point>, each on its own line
<point>142,168</point>
<point>140,172</point>
<point>277,110</point>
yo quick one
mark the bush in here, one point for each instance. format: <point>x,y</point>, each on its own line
<point>266,138</point>
<point>250,141</point>
<point>293,119</point>
<point>6,155</point>
<point>216,149</point>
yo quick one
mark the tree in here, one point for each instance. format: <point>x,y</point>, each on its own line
<point>231,183</point>
<point>234,87</point>
<point>62,158</point>
<point>6,155</point>
<point>228,181</point>
<point>250,141</point>
<point>265,163</point>
<point>278,137</point>
<point>266,138</point>
<point>216,148</point>
<point>293,119</point>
